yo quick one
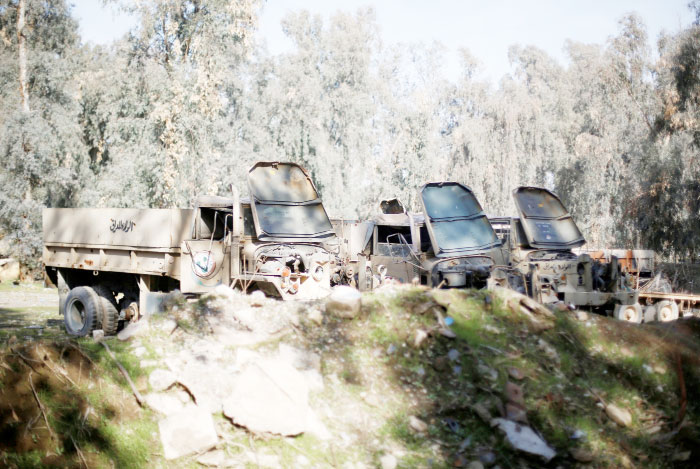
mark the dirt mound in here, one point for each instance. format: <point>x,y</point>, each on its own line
<point>57,409</point>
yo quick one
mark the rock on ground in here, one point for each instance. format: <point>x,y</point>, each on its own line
<point>214,458</point>
<point>344,302</point>
<point>189,431</point>
<point>523,438</point>
<point>133,329</point>
<point>620,416</point>
<point>388,461</point>
<point>269,396</point>
<point>166,404</point>
<point>160,379</point>
<point>9,270</point>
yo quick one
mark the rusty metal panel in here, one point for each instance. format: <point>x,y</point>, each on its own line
<point>146,229</point>
<point>280,182</point>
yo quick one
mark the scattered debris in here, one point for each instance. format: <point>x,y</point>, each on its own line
<point>447,332</point>
<point>516,373</point>
<point>514,393</point>
<point>523,438</point>
<point>487,457</point>
<point>316,316</point>
<point>482,412</point>
<point>417,424</point>
<point>420,338</point>
<point>618,415</point>
<point>516,413</point>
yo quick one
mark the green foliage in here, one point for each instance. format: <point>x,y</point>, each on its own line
<point>187,101</point>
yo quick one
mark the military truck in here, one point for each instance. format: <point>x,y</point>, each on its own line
<point>116,264</point>
<point>450,245</point>
<point>659,302</point>
<point>540,262</point>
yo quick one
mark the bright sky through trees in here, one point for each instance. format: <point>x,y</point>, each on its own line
<point>485,28</point>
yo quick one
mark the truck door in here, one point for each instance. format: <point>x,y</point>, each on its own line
<point>205,264</point>
<point>392,255</point>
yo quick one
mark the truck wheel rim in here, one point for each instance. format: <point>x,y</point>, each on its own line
<point>76,315</point>
<point>630,314</point>
<point>665,313</point>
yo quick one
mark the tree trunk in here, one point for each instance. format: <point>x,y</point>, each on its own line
<point>22,47</point>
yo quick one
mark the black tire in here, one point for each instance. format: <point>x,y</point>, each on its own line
<point>81,310</point>
<point>109,313</point>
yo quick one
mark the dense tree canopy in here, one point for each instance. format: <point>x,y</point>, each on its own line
<point>187,101</point>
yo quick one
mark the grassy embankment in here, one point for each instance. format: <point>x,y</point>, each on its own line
<point>376,380</point>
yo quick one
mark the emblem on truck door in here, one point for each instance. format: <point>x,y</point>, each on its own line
<point>203,264</point>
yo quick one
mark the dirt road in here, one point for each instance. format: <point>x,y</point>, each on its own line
<point>28,311</point>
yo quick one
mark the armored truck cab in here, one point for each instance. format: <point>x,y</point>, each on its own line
<point>450,245</point>
<point>538,248</point>
<point>113,265</point>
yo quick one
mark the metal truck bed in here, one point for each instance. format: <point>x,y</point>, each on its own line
<point>145,241</point>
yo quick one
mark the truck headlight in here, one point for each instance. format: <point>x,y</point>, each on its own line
<point>318,273</point>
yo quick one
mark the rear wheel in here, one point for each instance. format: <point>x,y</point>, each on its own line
<point>629,313</point>
<point>109,314</point>
<point>81,310</point>
<point>666,310</point>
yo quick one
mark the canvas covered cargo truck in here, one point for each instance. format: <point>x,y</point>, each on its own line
<point>113,265</point>
<point>541,262</point>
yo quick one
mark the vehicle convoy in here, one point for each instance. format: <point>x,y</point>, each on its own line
<point>112,265</point>
<point>540,262</point>
<point>450,244</point>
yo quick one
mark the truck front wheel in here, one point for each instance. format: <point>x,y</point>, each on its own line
<point>81,310</point>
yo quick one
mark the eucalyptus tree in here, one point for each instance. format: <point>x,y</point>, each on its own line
<point>167,89</point>
<point>40,143</point>
<point>667,207</point>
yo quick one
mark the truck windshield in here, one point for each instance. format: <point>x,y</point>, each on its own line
<point>545,220</point>
<point>456,217</point>
<point>294,220</point>
<point>464,234</point>
<point>286,203</point>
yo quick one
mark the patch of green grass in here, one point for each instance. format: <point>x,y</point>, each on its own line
<point>29,460</point>
<point>131,443</point>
